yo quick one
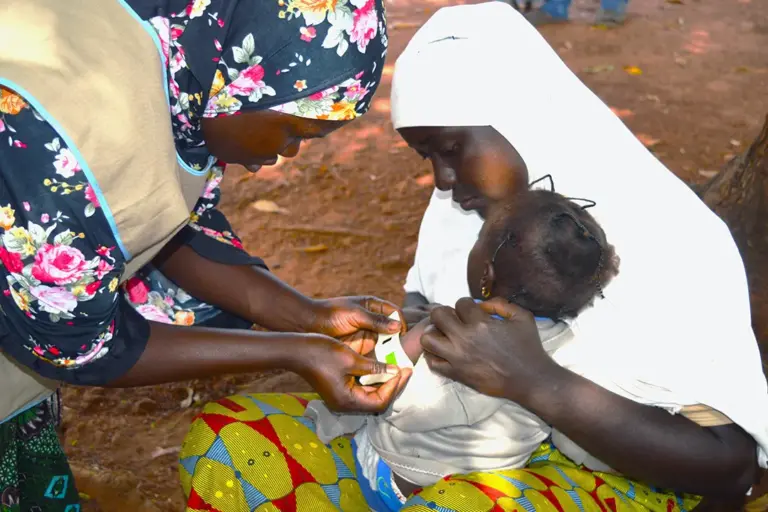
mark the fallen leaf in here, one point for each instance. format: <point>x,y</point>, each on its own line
<point>676,2</point>
<point>159,452</point>
<point>622,113</point>
<point>568,45</point>
<point>708,173</point>
<point>266,206</point>
<point>633,70</point>
<point>73,442</point>
<point>426,180</point>
<point>647,140</point>
<point>680,61</point>
<point>600,68</point>
<point>187,402</point>
<point>83,496</point>
<point>735,143</point>
<point>403,24</point>
<point>313,249</point>
<point>741,69</point>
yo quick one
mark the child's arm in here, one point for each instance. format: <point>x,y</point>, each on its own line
<point>411,341</point>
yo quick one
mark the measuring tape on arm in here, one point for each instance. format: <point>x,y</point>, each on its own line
<point>388,350</point>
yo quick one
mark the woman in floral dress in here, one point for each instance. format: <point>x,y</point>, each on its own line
<point>81,205</point>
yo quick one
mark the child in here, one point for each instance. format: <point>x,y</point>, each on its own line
<point>540,251</point>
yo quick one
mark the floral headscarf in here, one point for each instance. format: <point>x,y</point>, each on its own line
<point>319,59</point>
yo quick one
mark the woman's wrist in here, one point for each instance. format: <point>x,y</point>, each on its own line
<point>543,392</point>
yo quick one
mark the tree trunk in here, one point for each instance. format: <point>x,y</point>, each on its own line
<point>739,195</point>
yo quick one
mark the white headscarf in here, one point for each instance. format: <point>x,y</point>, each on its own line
<point>675,328</point>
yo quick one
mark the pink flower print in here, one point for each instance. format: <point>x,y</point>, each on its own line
<point>153,314</point>
<point>11,261</point>
<point>211,186</point>
<point>364,26</point>
<point>90,195</point>
<point>92,288</point>
<point>59,264</point>
<point>174,86</point>
<point>26,206</point>
<point>323,94</point>
<point>196,8</point>
<point>248,81</point>
<point>54,300</point>
<point>220,22</point>
<point>138,291</point>
<point>308,33</point>
<point>359,75</point>
<point>236,243</point>
<point>19,144</point>
<point>161,26</point>
<point>176,32</point>
<point>184,121</point>
<point>168,300</point>
<point>103,269</point>
<point>355,91</point>
<point>217,44</point>
<point>66,164</point>
<point>44,218</point>
<point>104,252</point>
<point>2,126</point>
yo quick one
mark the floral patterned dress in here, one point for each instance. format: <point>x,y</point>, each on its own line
<point>61,264</point>
<point>63,311</point>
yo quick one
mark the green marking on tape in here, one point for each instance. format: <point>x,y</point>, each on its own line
<point>391,358</point>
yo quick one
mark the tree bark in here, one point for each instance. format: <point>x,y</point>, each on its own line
<point>739,195</point>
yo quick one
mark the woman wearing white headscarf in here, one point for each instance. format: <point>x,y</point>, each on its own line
<point>663,352</point>
<point>663,380</point>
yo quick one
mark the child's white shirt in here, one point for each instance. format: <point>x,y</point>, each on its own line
<point>437,426</point>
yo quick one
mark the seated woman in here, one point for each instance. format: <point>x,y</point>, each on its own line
<point>674,329</point>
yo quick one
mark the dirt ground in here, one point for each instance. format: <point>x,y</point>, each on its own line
<point>688,77</point>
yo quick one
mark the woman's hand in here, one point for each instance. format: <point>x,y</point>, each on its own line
<point>502,358</point>
<point>331,369</point>
<point>343,316</point>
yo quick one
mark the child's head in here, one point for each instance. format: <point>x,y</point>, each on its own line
<point>542,252</point>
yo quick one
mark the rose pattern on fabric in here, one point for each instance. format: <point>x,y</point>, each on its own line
<point>58,254</point>
<point>328,37</point>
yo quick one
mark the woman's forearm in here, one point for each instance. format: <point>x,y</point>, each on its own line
<point>177,353</point>
<point>251,293</point>
<point>646,443</point>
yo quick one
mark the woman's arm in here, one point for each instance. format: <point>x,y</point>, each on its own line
<point>648,443</point>
<point>253,293</point>
<point>181,353</point>
<point>506,359</point>
<point>247,291</point>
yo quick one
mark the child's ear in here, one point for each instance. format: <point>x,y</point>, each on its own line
<point>486,282</point>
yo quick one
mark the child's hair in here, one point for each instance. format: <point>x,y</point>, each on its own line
<point>549,255</point>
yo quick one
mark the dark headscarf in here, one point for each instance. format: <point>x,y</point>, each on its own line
<point>320,59</point>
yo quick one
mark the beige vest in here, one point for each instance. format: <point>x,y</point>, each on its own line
<point>97,71</point>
